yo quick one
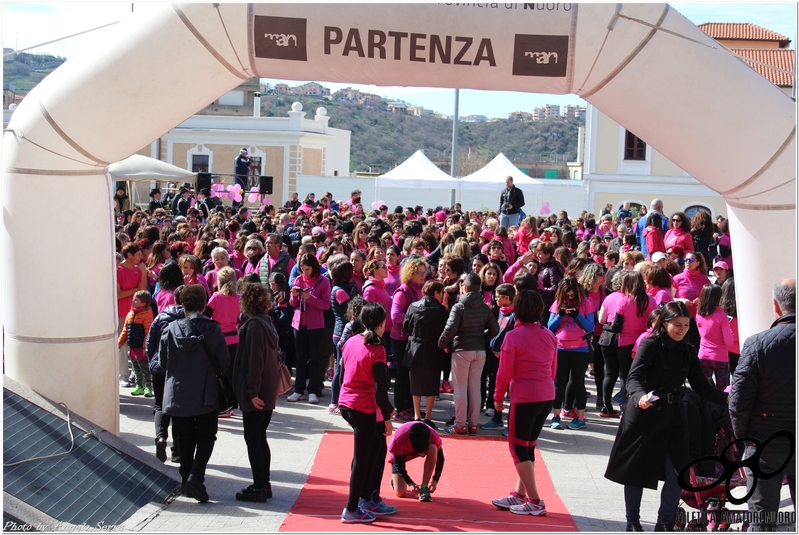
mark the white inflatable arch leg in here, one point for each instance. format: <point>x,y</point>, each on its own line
<point>679,95</point>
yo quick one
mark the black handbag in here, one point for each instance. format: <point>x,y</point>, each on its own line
<point>226,396</point>
<point>610,331</point>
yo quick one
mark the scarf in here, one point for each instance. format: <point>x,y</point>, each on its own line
<point>379,283</point>
<point>691,274</point>
<point>506,310</point>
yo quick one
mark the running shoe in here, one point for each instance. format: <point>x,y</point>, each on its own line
<point>448,387</point>
<point>454,430</point>
<point>430,423</point>
<point>295,397</point>
<point>424,495</point>
<point>505,433</point>
<point>510,500</point>
<point>148,392</point>
<point>555,423</point>
<point>226,414</point>
<point>472,429</point>
<point>313,399</point>
<point>577,423</point>
<point>607,412</point>
<point>490,412</point>
<point>138,391</point>
<point>492,425</point>
<point>330,374</point>
<point>357,516</point>
<point>379,508</point>
<point>529,508</point>
<point>571,413</point>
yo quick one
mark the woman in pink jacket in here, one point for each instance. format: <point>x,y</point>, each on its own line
<point>310,297</point>
<point>528,364</point>
<point>714,328</point>
<point>679,233</point>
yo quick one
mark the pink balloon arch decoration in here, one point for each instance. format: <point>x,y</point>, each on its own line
<point>218,191</point>
<point>378,204</point>
<point>255,197</point>
<point>544,209</point>
<point>235,192</point>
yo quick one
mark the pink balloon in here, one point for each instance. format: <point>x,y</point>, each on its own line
<point>253,197</point>
<point>253,190</point>
<point>192,201</point>
<point>230,187</point>
<point>249,213</point>
<point>377,204</point>
<point>267,200</point>
<point>115,204</point>
<point>237,196</point>
<point>217,187</point>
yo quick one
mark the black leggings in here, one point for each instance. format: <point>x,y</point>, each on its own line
<point>255,424</point>
<point>611,356</point>
<point>308,341</point>
<point>525,421</point>
<point>625,363</point>
<point>595,356</point>
<point>369,455</point>
<point>572,363</point>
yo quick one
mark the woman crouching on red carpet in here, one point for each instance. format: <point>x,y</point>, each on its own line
<point>528,363</point>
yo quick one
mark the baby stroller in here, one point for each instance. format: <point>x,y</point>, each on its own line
<point>714,437</point>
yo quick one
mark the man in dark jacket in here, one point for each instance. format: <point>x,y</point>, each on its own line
<point>511,201</point>
<point>763,402</point>
<point>191,395</point>
<point>466,328</point>
<point>241,171</point>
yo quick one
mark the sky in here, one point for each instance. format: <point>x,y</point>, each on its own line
<point>27,24</point>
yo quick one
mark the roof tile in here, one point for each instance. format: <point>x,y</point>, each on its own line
<point>741,31</point>
<point>782,58</point>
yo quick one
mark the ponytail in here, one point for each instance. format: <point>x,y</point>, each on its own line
<point>372,316</point>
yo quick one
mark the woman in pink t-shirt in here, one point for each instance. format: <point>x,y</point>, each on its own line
<point>688,286</point>
<point>364,404</point>
<point>730,308</point>
<point>393,267</point>
<point>714,328</point>
<point>223,307</point>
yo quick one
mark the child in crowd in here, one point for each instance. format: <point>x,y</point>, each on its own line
<point>507,319</point>
<point>352,327</point>
<point>412,440</point>
<point>223,308</point>
<point>134,333</point>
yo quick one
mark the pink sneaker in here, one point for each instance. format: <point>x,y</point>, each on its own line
<point>447,387</point>
<point>571,413</point>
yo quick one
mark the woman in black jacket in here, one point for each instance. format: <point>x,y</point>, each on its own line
<point>255,379</point>
<point>550,274</point>
<point>424,322</point>
<point>702,234</point>
<point>652,441</point>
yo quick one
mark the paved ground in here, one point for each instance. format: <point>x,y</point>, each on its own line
<point>576,461</point>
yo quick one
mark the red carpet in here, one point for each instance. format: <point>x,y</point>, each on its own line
<point>476,470</point>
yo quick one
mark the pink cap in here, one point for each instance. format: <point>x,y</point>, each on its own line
<point>721,264</point>
<point>487,234</point>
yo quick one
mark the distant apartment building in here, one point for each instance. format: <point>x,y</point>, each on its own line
<point>9,94</point>
<point>548,112</point>
<point>420,112</point>
<point>280,89</point>
<point>576,112</point>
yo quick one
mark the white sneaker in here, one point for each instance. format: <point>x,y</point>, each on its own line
<point>295,397</point>
<point>529,508</point>
<point>313,399</point>
<point>490,412</point>
<point>509,501</point>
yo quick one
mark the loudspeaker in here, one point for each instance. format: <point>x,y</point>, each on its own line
<point>203,181</point>
<point>265,184</point>
<point>121,186</point>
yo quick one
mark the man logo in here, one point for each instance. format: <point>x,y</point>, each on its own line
<point>539,55</point>
<point>280,38</point>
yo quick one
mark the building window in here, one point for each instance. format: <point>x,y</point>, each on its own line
<point>199,163</point>
<point>692,210</point>
<point>634,147</point>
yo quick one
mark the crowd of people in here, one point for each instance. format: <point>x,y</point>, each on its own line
<point>425,302</point>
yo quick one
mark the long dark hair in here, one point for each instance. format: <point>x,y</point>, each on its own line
<point>728,298</point>
<point>668,311</point>
<point>569,284</point>
<point>709,299</point>
<point>371,316</point>
<point>633,285</point>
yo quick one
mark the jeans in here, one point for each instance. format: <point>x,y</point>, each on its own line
<point>467,368</point>
<point>196,436</point>
<point>122,353</point>
<point>669,497</point>
<point>508,220</point>
<point>307,342</point>
<point>335,387</point>
<point>255,424</point>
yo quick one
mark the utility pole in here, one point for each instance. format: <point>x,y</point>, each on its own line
<point>453,161</point>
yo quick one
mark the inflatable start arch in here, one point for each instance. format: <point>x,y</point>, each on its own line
<point>683,98</point>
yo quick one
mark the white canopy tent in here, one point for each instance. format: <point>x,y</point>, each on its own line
<point>492,178</point>
<point>138,168</point>
<point>420,179</point>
